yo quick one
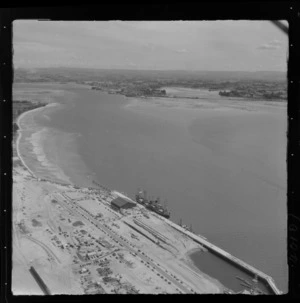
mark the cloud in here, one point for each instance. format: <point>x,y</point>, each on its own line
<point>208,45</point>
<point>36,47</point>
<point>181,51</point>
<point>268,47</point>
<point>274,44</point>
<point>132,64</point>
<point>149,46</point>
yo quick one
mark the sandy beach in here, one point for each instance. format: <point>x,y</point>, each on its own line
<point>35,140</point>
<point>23,115</point>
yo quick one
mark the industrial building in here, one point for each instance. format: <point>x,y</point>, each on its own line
<point>120,203</point>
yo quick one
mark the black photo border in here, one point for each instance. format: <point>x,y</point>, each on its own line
<point>210,10</point>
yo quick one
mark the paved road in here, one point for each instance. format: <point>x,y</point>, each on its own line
<point>81,212</point>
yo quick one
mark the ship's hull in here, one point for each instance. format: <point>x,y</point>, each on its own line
<point>152,208</point>
<point>166,215</point>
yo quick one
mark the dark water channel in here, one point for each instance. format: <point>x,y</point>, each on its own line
<point>225,272</point>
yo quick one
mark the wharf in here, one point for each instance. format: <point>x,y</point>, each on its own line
<point>203,241</point>
<point>218,251</point>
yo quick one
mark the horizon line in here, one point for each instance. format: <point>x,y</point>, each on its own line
<point>152,70</point>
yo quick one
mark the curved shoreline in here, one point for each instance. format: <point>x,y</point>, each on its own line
<point>187,258</point>
<point>20,133</point>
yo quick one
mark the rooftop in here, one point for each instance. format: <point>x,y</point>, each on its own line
<point>120,202</point>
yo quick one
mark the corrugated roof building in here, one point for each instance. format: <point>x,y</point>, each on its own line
<point>121,203</point>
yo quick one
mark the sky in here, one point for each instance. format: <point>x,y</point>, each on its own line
<point>153,45</point>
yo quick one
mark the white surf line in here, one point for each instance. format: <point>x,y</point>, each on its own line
<point>20,133</point>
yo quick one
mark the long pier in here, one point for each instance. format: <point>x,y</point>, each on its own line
<point>222,253</point>
<point>225,255</point>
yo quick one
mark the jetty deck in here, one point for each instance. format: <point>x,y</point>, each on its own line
<point>269,280</point>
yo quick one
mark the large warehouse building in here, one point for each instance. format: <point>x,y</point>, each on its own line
<point>120,203</point>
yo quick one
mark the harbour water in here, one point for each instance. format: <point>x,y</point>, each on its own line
<point>221,168</point>
<point>228,274</point>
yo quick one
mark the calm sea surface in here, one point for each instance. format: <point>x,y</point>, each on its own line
<point>221,170</point>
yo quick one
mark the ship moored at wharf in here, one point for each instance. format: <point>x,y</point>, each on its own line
<point>248,287</point>
<point>151,204</point>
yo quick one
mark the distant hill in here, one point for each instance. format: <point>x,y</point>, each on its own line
<point>85,74</point>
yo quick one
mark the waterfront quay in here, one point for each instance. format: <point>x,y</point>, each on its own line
<point>229,258</point>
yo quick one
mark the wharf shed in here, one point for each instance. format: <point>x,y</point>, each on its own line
<point>120,203</point>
